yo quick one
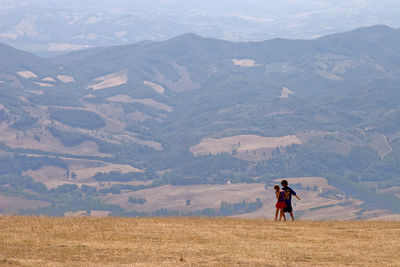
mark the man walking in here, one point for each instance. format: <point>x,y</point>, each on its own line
<point>288,197</point>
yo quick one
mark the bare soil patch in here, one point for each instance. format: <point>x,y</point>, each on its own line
<point>48,79</point>
<point>44,84</point>
<point>36,92</point>
<point>66,78</point>
<point>156,87</point>
<point>110,80</point>
<point>286,92</point>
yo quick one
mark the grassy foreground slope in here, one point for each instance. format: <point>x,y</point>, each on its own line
<point>43,241</point>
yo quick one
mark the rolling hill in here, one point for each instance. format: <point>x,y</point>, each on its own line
<point>128,130</point>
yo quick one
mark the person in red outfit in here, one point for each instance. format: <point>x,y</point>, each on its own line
<point>280,204</point>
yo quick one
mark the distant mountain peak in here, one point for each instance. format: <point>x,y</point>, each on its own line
<point>373,29</point>
<point>364,31</point>
<point>188,36</point>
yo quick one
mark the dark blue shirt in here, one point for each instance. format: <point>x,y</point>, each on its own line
<point>281,196</point>
<point>288,195</point>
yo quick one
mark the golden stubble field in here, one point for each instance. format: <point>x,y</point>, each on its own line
<point>85,241</point>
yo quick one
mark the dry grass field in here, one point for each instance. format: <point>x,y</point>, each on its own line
<point>42,241</point>
<point>242,144</point>
<point>146,101</point>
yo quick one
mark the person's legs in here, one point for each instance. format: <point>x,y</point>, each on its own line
<point>276,214</point>
<point>290,210</point>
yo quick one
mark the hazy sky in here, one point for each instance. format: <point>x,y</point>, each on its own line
<point>45,25</point>
<point>369,11</point>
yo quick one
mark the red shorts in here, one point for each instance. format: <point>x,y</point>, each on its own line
<point>280,204</point>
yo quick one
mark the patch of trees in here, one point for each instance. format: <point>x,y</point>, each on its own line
<point>122,213</point>
<point>209,169</point>
<point>385,169</point>
<point>78,118</point>
<point>308,160</point>
<point>69,138</point>
<point>146,109</point>
<point>227,208</point>
<point>3,115</point>
<point>15,164</point>
<point>25,122</point>
<point>372,200</point>
<point>207,212</point>
<point>323,207</point>
<point>117,188</point>
<point>137,200</point>
<point>60,97</point>
<point>63,198</point>
<point>117,176</point>
<point>59,209</point>
<point>388,124</point>
<point>17,184</point>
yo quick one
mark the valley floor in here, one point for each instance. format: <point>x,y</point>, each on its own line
<point>44,241</point>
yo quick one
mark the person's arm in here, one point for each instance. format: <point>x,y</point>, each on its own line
<point>294,194</point>
<point>277,195</point>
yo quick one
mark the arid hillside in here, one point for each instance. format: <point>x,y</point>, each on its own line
<point>49,241</point>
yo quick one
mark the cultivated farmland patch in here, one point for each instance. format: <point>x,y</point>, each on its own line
<point>241,144</point>
<point>66,78</point>
<point>27,74</point>
<point>156,87</point>
<point>109,80</point>
<point>146,101</point>
<point>245,63</point>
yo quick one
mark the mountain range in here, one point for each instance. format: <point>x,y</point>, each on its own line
<point>197,126</point>
<point>49,27</point>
